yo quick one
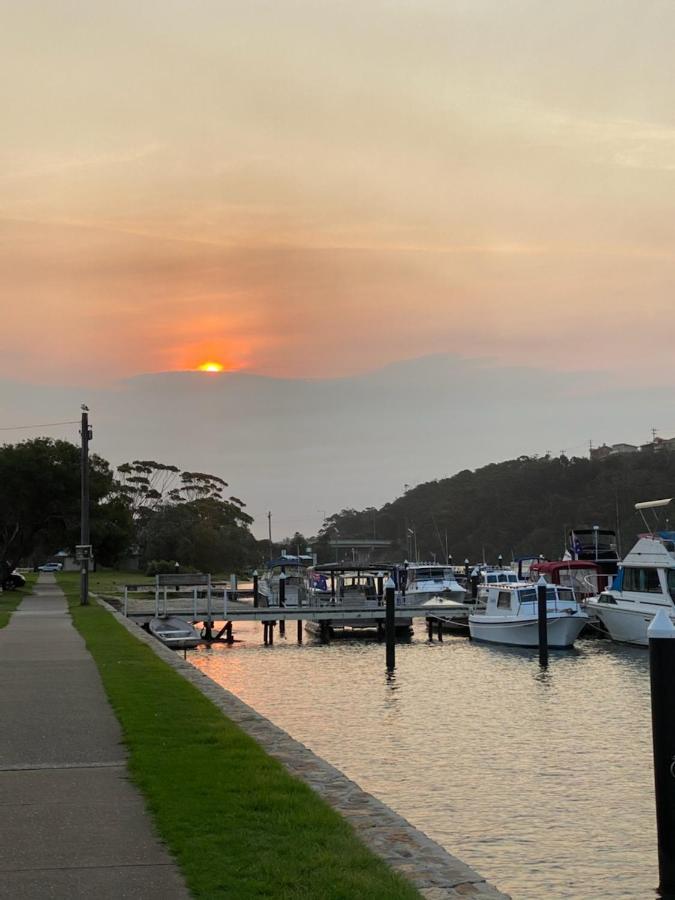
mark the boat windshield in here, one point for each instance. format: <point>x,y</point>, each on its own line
<point>561,594</point>
<point>671,583</point>
<point>502,578</point>
<point>431,574</point>
<point>581,581</point>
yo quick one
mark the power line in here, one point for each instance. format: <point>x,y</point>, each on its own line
<point>45,425</point>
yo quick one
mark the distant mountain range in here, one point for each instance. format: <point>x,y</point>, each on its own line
<point>305,448</point>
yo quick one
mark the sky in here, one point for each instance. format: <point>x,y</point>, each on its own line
<point>309,189</point>
<point>303,189</point>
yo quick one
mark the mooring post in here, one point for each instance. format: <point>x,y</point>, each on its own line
<point>271,634</point>
<point>440,630</point>
<point>542,620</point>
<point>255,588</point>
<point>430,628</point>
<point>299,631</point>
<point>282,603</point>
<point>390,624</point>
<point>661,635</point>
<point>228,633</point>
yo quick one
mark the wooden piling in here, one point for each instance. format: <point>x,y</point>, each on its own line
<point>661,635</point>
<point>299,631</point>
<point>542,620</point>
<point>390,625</point>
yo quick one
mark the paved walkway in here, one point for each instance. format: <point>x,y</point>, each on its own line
<point>71,824</point>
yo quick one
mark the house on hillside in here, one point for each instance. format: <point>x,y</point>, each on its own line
<point>606,451</point>
<point>616,449</point>
<point>600,452</point>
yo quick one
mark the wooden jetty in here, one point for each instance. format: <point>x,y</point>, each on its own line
<point>200,600</point>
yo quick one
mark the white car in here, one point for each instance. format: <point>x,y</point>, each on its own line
<point>50,567</point>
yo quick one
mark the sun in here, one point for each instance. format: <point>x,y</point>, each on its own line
<point>210,367</point>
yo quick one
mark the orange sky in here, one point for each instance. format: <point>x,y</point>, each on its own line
<point>308,189</point>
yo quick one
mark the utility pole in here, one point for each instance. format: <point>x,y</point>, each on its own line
<point>86,435</point>
<point>269,530</point>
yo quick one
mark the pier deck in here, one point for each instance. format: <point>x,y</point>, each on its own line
<point>143,605</point>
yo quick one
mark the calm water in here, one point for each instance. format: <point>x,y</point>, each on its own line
<point>541,781</point>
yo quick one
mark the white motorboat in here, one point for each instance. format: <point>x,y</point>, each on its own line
<point>424,581</point>
<point>644,584</point>
<point>483,578</point>
<point>359,589</point>
<point>175,632</point>
<point>511,616</point>
<point>294,570</point>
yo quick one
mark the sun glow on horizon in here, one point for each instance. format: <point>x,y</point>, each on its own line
<point>211,367</point>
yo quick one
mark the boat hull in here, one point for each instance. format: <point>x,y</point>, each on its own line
<point>627,626</point>
<point>562,630</point>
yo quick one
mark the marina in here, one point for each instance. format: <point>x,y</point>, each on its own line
<point>511,768</point>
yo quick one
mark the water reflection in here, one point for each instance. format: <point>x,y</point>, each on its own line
<point>540,778</point>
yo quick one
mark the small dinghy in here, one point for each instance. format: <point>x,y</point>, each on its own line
<point>175,632</point>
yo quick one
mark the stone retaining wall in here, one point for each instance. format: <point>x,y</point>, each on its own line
<point>435,873</point>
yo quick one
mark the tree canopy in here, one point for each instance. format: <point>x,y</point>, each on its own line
<point>519,507</point>
<point>148,507</point>
<point>40,502</point>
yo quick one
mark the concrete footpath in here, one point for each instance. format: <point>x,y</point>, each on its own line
<point>71,824</point>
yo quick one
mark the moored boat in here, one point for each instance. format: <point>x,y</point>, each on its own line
<point>424,581</point>
<point>511,616</point>
<point>175,632</point>
<point>644,585</point>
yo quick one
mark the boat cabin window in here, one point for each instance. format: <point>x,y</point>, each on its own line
<point>645,581</point>
<point>529,595</point>
<point>565,595</point>
<point>504,600</point>
<point>671,582</point>
<point>502,578</point>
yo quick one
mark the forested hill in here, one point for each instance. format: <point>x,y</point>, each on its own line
<point>522,507</point>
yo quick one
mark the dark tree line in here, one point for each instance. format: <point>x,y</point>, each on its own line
<point>519,507</point>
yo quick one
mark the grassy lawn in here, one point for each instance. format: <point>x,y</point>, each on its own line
<point>9,600</point>
<point>112,580</point>
<point>239,825</point>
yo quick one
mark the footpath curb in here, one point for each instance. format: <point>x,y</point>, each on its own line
<point>436,874</point>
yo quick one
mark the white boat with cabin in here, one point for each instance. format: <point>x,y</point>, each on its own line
<point>644,585</point>
<point>510,616</point>
<point>424,581</point>
<point>294,570</point>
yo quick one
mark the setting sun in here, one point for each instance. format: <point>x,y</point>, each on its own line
<point>210,367</point>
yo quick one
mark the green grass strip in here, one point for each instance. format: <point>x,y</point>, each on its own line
<point>9,600</point>
<point>239,825</point>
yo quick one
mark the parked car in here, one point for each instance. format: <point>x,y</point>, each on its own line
<point>13,581</point>
<point>50,567</point>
